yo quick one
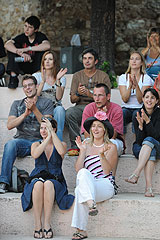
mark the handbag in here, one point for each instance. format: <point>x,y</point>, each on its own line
<point>18,180</point>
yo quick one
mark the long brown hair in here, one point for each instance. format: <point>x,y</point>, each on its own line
<point>54,70</point>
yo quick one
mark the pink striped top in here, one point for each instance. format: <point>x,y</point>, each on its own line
<point>93,164</point>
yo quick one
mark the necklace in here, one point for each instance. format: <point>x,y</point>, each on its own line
<point>98,146</point>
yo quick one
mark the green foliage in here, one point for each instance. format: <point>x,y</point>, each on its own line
<point>106,68</point>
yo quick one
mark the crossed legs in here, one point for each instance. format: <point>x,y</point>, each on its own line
<point>146,164</point>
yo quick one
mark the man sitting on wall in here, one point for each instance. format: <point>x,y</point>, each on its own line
<point>81,93</point>
<point>25,115</point>
<point>29,45</point>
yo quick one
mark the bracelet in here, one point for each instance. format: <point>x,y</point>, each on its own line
<point>58,85</point>
<point>30,48</point>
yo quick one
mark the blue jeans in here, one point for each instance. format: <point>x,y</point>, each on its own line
<point>12,149</point>
<point>128,116</point>
<point>151,142</point>
<point>59,116</point>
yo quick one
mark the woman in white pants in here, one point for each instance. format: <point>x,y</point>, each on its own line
<point>97,158</point>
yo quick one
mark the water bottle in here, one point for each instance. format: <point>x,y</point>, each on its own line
<point>19,59</point>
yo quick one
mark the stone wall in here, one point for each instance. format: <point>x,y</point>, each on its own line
<point>60,19</point>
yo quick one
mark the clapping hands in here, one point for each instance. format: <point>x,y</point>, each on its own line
<point>61,73</point>
<point>81,145</point>
<point>106,148</point>
<point>143,118</point>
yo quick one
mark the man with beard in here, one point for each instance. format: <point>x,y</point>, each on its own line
<point>25,115</point>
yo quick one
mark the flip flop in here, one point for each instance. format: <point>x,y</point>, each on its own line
<point>78,236</point>
<point>38,232</point>
<point>48,231</point>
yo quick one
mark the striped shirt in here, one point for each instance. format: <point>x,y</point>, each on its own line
<point>93,164</point>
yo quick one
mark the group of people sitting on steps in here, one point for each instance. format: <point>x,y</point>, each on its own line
<point>40,117</point>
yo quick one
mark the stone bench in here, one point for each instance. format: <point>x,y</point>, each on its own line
<point>124,216</point>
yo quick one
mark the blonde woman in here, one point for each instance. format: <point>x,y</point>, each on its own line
<point>132,85</point>
<point>52,85</point>
<point>97,158</point>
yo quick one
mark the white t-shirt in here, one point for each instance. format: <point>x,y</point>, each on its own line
<point>49,91</point>
<point>46,86</point>
<point>133,102</point>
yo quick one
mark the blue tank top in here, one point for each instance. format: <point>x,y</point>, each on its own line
<point>153,66</point>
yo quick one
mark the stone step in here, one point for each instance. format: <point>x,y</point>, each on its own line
<point>127,215</point>
<point>21,237</point>
<point>126,165</point>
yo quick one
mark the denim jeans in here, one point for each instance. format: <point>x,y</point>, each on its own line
<point>128,116</point>
<point>12,149</point>
<point>73,121</point>
<point>59,116</point>
<point>151,142</point>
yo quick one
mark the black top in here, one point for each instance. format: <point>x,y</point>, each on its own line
<point>152,129</point>
<point>2,49</point>
<point>22,41</point>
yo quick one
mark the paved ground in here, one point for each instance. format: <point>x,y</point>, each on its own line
<point>15,237</point>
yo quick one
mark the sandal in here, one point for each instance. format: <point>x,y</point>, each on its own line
<point>38,232</point>
<point>46,233</point>
<point>132,179</point>
<point>149,192</point>
<point>93,210</point>
<point>78,236</point>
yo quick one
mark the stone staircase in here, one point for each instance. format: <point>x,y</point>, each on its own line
<point>129,215</point>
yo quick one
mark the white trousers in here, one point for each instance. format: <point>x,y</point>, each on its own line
<point>119,145</point>
<point>88,188</point>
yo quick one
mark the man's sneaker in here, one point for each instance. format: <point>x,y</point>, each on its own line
<point>2,82</point>
<point>3,187</point>
<point>73,152</point>
<point>13,82</point>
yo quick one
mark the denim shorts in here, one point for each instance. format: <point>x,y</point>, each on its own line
<point>151,142</point>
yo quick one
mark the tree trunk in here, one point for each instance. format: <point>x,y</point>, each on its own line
<point>103,30</point>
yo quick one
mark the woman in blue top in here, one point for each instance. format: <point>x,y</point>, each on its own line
<point>152,52</point>
<point>51,85</point>
<point>46,182</point>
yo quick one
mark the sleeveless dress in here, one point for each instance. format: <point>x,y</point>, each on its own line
<point>54,167</point>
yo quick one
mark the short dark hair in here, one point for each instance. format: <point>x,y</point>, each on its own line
<point>91,51</point>
<point>106,88</point>
<point>153,91</point>
<point>34,21</point>
<point>153,30</point>
<point>26,77</point>
<point>52,121</point>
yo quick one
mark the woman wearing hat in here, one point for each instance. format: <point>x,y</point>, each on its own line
<point>46,182</point>
<point>97,158</point>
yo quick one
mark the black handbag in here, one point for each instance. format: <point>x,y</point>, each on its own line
<point>18,180</point>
